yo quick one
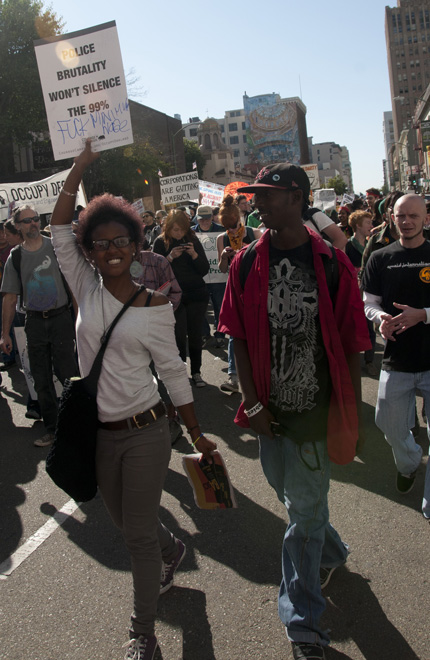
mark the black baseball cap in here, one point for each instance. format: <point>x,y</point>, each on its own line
<point>282,176</point>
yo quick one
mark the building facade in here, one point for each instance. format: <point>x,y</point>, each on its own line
<point>332,160</point>
<point>407,35</point>
<point>267,129</point>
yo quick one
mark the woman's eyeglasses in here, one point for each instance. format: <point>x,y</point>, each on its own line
<point>119,242</point>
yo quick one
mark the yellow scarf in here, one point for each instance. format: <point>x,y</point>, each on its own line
<point>236,239</point>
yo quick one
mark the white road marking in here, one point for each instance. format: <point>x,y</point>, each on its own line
<point>11,563</point>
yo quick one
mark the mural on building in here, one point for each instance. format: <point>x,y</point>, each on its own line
<point>271,129</point>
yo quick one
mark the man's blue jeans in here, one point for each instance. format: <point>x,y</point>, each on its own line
<point>395,416</point>
<point>300,475</point>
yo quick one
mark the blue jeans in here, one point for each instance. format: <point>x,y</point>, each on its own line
<point>300,475</point>
<point>231,361</point>
<point>395,416</point>
<point>216,294</point>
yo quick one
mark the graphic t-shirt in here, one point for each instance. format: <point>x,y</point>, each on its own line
<point>402,275</point>
<point>42,285</point>
<point>300,385</point>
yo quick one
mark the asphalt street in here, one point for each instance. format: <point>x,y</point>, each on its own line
<point>66,589</point>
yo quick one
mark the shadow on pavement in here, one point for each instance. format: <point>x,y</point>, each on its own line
<point>353,612</point>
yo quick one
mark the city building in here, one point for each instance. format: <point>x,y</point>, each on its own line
<point>332,160</point>
<point>407,35</point>
<point>267,129</point>
<point>388,131</point>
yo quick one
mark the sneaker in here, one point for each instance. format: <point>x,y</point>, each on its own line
<point>219,342</point>
<point>33,414</point>
<point>198,380</point>
<point>325,575</point>
<point>371,369</point>
<point>175,431</point>
<point>142,648</point>
<point>305,651</point>
<point>405,482</point>
<point>230,385</point>
<point>45,441</point>
<point>169,569</point>
<point>206,340</point>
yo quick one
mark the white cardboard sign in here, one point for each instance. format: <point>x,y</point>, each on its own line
<point>179,188</point>
<point>84,90</point>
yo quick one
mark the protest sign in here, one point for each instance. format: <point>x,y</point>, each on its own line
<point>42,195</point>
<point>208,240</point>
<point>313,176</point>
<point>84,90</point>
<point>138,205</point>
<point>179,188</point>
<point>211,194</point>
<point>347,199</point>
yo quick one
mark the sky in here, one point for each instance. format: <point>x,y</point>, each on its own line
<point>197,60</point>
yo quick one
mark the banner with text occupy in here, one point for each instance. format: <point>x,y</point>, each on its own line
<point>208,240</point>
<point>84,90</point>
<point>211,194</point>
<point>180,188</point>
<point>42,194</point>
<point>313,176</point>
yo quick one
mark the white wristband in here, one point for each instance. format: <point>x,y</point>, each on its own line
<point>254,410</point>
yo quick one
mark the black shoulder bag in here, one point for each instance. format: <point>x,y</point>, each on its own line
<point>71,459</point>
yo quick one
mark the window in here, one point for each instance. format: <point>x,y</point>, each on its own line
<point>232,127</point>
<point>208,144</point>
<point>234,139</point>
<point>244,138</point>
<point>193,132</point>
<point>222,128</point>
<point>243,126</point>
<point>236,153</point>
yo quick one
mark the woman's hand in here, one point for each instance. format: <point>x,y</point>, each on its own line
<point>176,252</point>
<point>206,447</point>
<point>189,249</point>
<point>86,157</point>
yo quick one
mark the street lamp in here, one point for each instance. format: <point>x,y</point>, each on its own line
<point>173,142</point>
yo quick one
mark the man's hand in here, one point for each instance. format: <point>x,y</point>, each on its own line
<point>409,317</point>
<point>6,344</point>
<point>260,423</point>
<point>385,328</point>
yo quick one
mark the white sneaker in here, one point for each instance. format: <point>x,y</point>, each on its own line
<point>198,380</point>
<point>45,441</point>
<point>230,385</point>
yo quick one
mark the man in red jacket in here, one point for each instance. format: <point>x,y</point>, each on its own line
<point>298,364</point>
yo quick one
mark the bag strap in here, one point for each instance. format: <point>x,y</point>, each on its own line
<point>94,375</point>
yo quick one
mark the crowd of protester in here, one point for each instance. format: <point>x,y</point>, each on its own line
<point>68,289</point>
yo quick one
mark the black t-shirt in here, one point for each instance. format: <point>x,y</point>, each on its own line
<point>402,275</point>
<point>300,384</point>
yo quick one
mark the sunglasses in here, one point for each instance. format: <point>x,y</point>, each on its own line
<point>27,221</point>
<point>119,242</point>
<point>147,216</point>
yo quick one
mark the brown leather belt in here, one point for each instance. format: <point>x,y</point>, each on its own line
<point>139,421</point>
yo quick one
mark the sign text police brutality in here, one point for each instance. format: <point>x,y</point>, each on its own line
<point>84,90</point>
<point>179,188</point>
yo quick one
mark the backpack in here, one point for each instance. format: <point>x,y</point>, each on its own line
<point>16,256</point>
<point>331,268</point>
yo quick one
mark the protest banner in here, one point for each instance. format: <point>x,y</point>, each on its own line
<point>208,240</point>
<point>180,188</point>
<point>138,205</point>
<point>211,194</point>
<point>21,342</point>
<point>313,176</point>
<point>84,90</point>
<point>347,199</point>
<point>42,194</point>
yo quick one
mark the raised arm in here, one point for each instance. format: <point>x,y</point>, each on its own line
<point>65,206</point>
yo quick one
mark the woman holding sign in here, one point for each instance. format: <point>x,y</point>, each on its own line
<point>133,440</point>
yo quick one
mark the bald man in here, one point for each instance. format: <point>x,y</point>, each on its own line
<point>396,285</point>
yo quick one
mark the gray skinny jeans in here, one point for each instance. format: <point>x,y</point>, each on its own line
<point>131,469</point>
